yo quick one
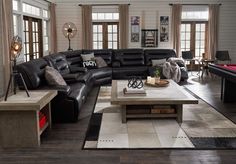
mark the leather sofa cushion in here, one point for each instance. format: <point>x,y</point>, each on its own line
<point>75,69</point>
<point>53,77</point>
<point>101,72</point>
<point>78,93</point>
<point>151,54</point>
<point>78,77</point>
<point>59,62</point>
<point>127,72</point>
<point>33,73</point>
<point>63,89</point>
<point>106,54</point>
<point>73,57</point>
<point>129,57</point>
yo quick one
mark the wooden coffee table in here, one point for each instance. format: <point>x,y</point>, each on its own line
<point>172,95</point>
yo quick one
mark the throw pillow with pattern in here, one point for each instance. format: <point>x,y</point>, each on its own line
<point>53,77</point>
<point>100,62</point>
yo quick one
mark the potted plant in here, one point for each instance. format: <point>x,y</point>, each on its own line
<point>157,75</point>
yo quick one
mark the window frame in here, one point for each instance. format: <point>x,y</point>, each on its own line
<point>42,6</point>
<point>193,34</point>
<point>105,33</point>
<point>31,43</point>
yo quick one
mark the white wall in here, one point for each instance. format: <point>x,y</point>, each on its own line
<point>70,11</point>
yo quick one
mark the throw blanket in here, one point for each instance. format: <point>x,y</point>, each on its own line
<point>171,70</point>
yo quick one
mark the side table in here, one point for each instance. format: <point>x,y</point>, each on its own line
<point>20,118</point>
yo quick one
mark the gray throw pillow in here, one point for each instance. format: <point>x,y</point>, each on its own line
<point>158,62</point>
<point>87,57</point>
<point>53,77</point>
<point>100,62</point>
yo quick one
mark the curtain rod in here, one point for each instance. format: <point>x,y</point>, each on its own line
<point>171,4</point>
<point>103,4</point>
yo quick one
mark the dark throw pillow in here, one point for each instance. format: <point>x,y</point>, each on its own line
<point>90,64</point>
<point>53,77</point>
<point>100,62</point>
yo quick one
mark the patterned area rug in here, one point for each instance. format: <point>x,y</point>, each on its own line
<point>202,128</point>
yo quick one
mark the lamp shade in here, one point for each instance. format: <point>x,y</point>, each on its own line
<point>16,46</point>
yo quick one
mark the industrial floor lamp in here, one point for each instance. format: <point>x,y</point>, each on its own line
<point>15,49</point>
<point>69,30</point>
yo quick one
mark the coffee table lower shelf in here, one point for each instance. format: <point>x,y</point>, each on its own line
<point>178,114</point>
<point>152,115</point>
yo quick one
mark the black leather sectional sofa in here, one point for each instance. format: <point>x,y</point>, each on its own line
<point>122,64</point>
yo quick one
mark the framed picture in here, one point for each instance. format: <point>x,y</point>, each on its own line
<point>135,28</point>
<point>164,28</point>
<point>149,38</point>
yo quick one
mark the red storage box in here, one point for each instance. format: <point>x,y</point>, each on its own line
<point>42,120</point>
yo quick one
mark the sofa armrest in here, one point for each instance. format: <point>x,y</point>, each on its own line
<point>77,77</point>
<point>65,89</point>
<point>75,69</point>
<point>116,64</point>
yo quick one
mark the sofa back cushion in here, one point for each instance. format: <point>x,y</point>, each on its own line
<point>73,58</point>
<point>129,57</point>
<point>33,73</point>
<point>152,54</point>
<point>59,62</point>
<point>106,54</point>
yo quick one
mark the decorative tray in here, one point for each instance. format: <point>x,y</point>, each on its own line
<point>161,83</point>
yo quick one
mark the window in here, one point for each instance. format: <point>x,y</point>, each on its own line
<point>200,30</point>
<point>105,16</point>
<point>45,36</point>
<point>185,36</point>
<point>35,11</point>
<point>194,30</point>
<point>45,13</point>
<point>105,35</point>
<point>15,5</point>
<point>31,9</point>
<point>15,24</point>
<point>105,27</point>
<point>32,38</point>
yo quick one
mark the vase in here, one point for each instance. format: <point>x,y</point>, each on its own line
<point>157,79</point>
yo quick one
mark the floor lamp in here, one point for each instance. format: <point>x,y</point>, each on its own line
<point>69,30</point>
<point>15,49</point>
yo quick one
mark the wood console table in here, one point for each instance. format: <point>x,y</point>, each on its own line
<point>19,118</point>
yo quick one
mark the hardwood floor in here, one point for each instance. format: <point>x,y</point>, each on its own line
<point>63,144</point>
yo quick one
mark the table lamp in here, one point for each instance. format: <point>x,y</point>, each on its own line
<point>15,49</point>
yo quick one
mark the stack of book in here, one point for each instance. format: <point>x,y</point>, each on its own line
<point>163,109</point>
<point>134,91</point>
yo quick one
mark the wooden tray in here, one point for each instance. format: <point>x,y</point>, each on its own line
<point>162,83</point>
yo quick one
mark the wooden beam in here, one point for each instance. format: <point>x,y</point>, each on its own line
<point>102,4</point>
<point>171,4</point>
